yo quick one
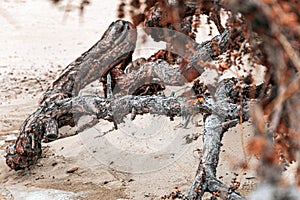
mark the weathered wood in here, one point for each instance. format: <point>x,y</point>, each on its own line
<point>223,114</point>
<point>114,48</point>
<point>60,106</point>
<point>157,72</point>
<point>113,51</point>
<point>215,124</point>
<point>27,148</point>
<point>149,78</point>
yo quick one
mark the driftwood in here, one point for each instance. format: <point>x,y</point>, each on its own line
<point>113,51</point>
<point>158,73</point>
<point>114,48</point>
<point>215,125</point>
<point>61,106</point>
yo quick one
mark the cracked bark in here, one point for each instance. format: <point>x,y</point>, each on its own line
<point>60,106</point>
<point>67,111</point>
<point>159,73</point>
<point>225,114</point>
<point>113,49</point>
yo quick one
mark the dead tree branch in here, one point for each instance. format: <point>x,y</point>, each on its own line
<point>114,48</point>
<point>60,106</point>
<point>67,111</point>
<point>113,51</point>
<point>140,75</point>
<point>225,114</point>
<point>47,120</point>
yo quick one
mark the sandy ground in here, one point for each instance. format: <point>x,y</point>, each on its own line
<point>37,41</point>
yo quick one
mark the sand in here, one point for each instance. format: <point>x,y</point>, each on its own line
<point>145,159</point>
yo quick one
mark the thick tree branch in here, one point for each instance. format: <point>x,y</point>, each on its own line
<point>47,120</point>
<point>158,73</point>
<point>114,48</point>
<point>60,106</point>
<point>214,126</point>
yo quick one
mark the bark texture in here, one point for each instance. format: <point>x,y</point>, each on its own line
<point>224,115</point>
<point>60,105</point>
<point>114,48</point>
